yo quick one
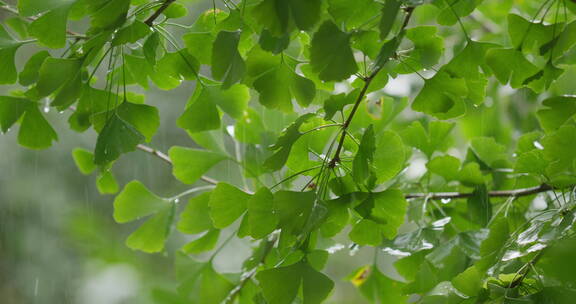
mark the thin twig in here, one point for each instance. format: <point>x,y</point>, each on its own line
<point>499,193</point>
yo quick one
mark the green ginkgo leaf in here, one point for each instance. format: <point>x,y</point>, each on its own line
<point>136,201</point>
<point>227,203</point>
<point>84,160</point>
<point>11,109</point>
<point>35,131</point>
<point>510,66</point>
<point>151,236</point>
<point>558,110</point>
<point>188,165</point>
<point>116,138</point>
<point>330,53</point>
<point>196,216</point>
<point>227,63</point>
<point>50,28</point>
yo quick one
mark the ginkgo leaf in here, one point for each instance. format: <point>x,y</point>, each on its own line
<point>366,232</point>
<point>389,12</point>
<point>529,36</point>
<point>151,235</point>
<point>442,96</point>
<point>50,28</point>
<point>280,285</point>
<point>227,203</point>
<point>56,72</point>
<point>196,216</point>
<point>188,165</point>
<point>330,53</point>
<point>11,109</point>
<point>558,110</point>
<point>144,118</point>
<point>204,243</point>
<point>131,33</point>
<point>116,138</point>
<point>29,74</point>
<point>284,143</point>
<point>136,201</point>
<point>8,48</point>
<point>279,85</point>
<point>109,14</point>
<point>262,219</point>
<point>453,10</point>
<point>277,15</point>
<point>35,131</point>
<point>446,166</point>
<point>510,66</point>
<point>84,160</point>
<point>389,156</point>
<point>227,63</point>
<point>361,164</point>
<point>352,13</point>
<point>389,208</point>
<point>107,183</point>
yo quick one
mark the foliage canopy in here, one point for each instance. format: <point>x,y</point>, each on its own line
<point>466,178</point>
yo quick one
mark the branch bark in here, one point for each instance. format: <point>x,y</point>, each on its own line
<point>499,193</point>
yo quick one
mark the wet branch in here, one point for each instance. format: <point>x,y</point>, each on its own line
<point>499,193</point>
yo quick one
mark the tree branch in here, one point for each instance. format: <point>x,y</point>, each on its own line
<point>166,158</point>
<point>158,12</point>
<point>499,193</point>
<point>367,81</point>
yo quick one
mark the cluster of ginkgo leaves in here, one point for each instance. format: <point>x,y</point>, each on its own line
<point>296,94</point>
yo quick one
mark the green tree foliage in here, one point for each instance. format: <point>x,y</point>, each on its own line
<point>467,179</point>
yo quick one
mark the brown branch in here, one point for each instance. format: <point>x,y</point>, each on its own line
<point>166,158</point>
<point>367,81</point>
<point>498,193</point>
<point>158,12</point>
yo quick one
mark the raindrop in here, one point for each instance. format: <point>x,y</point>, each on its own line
<point>511,254</point>
<point>396,252</point>
<point>538,145</point>
<point>176,201</point>
<point>36,282</point>
<point>335,248</point>
<point>441,222</point>
<point>445,201</point>
<point>46,108</point>
<point>536,247</point>
<point>354,250</point>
